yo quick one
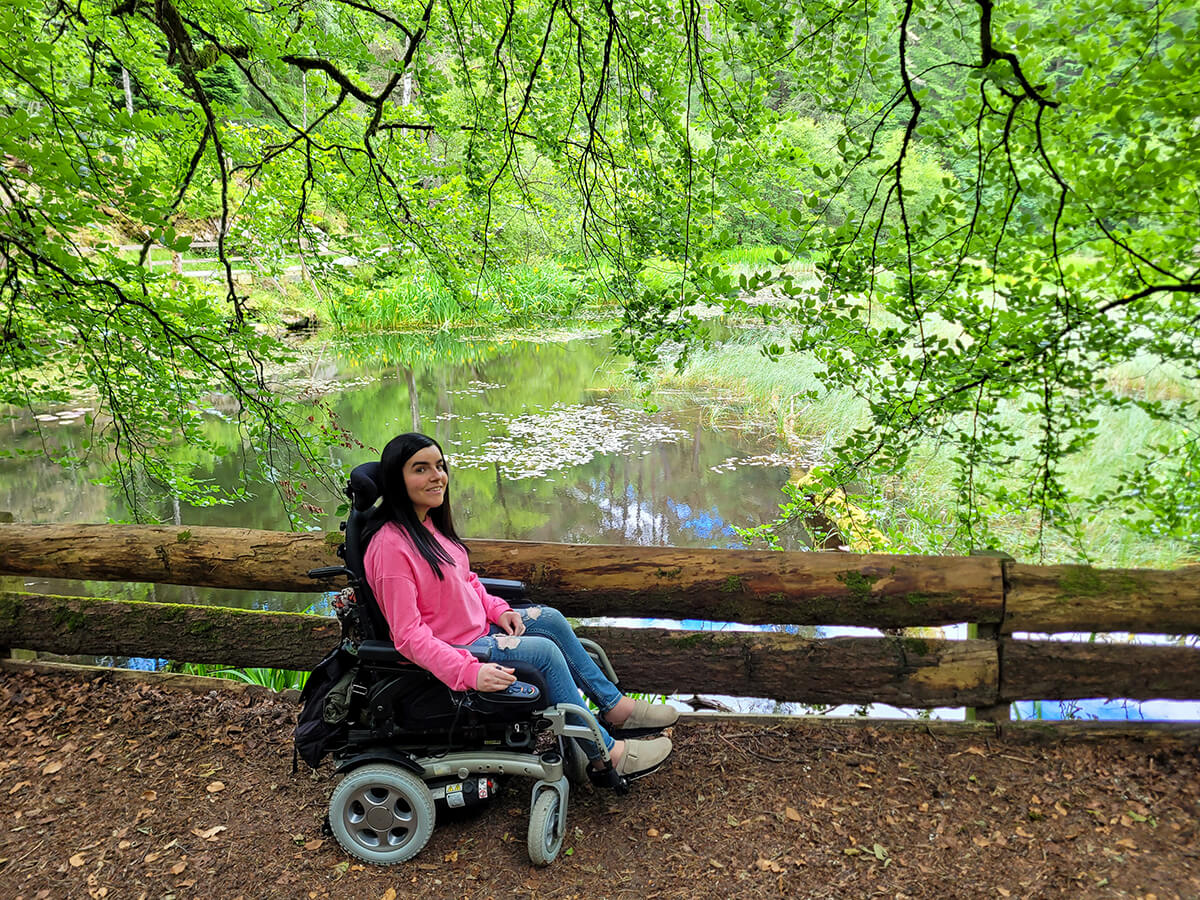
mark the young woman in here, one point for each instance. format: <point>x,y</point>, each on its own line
<point>418,569</point>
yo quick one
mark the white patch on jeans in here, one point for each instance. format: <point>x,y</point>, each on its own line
<point>532,612</point>
<point>507,642</point>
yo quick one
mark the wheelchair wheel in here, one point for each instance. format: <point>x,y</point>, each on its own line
<point>382,814</point>
<point>546,829</point>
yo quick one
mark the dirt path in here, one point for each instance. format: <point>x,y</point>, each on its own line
<point>116,789</point>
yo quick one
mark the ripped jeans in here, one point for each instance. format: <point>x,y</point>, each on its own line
<point>550,646</point>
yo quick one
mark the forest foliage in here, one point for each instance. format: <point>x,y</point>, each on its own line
<point>1000,199</point>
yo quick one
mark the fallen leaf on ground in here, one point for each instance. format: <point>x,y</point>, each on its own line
<point>209,834</point>
<point>178,868</point>
<point>314,844</point>
<point>792,814</point>
<point>215,786</point>
<point>53,767</point>
<point>149,796</point>
<point>768,865</point>
<point>76,861</point>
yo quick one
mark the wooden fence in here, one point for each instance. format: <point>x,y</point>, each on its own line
<point>988,671</point>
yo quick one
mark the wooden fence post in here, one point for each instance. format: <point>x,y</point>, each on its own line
<point>1001,712</point>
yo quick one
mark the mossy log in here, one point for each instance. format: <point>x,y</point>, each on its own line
<point>1075,670</point>
<point>912,672</point>
<point>908,672</point>
<point>205,557</point>
<point>1080,598</point>
<point>754,587</point>
<point>751,586</point>
<point>201,634</point>
<point>902,671</point>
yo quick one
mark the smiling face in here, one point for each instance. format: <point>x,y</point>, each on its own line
<point>425,479</point>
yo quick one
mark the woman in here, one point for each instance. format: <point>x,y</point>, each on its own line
<point>417,568</point>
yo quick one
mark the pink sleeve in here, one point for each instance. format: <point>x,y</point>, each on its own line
<point>493,607</point>
<point>454,666</point>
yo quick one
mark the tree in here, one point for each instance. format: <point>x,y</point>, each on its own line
<point>1055,243</point>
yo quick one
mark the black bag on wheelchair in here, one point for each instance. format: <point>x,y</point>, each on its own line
<point>323,723</point>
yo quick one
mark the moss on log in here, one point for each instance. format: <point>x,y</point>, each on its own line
<point>1081,598</point>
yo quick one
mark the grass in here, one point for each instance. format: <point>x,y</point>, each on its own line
<point>520,295</point>
<point>914,508</point>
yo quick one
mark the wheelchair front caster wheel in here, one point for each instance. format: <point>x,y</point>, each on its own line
<point>382,814</point>
<point>546,829</point>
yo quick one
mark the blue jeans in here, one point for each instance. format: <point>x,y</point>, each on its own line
<point>550,646</point>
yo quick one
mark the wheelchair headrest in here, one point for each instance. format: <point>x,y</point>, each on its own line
<point>363,489</point>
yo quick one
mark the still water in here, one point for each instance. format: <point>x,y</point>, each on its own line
<point>539,450</point>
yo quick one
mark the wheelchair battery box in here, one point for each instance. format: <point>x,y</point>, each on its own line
<point>459,794</point>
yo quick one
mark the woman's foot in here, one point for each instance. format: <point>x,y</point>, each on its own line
<point>638,715</point>
<point>634,759</point>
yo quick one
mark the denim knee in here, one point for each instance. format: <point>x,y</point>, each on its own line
<point>547,617</point>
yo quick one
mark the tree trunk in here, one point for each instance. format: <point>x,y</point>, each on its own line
<point>902,671</point>
<point>906,672</point>
<point>750,586</point>
<point>128,89</point>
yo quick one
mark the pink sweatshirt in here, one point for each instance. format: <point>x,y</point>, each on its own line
<point>428,615</point>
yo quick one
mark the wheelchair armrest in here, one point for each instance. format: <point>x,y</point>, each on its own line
<point>504,588</point>
<point>330,572</point>
<point>381,652</point>
<point>385,652</point>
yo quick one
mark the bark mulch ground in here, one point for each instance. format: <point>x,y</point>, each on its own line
<point>119,789</point>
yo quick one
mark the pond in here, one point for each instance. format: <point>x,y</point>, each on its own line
<point>540,450</point>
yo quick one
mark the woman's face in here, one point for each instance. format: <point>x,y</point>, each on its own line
<point>425,478</point>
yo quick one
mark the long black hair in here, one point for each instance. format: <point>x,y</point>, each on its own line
<point>396,506</point>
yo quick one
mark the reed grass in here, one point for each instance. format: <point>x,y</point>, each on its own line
<point>916,508</point>
<point>520,295</point>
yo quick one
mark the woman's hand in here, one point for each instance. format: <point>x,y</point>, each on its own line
<point>494,677</point>
<point>512,623</point>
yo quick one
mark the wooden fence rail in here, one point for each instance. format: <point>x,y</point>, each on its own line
<point>753,587</point>
<point>904,671</point>
<point>718,585</point>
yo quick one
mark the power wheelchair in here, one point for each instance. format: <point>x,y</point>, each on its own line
<point>406,744</point>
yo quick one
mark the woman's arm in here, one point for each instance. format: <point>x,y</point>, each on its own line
<point>454,666</point>
<point>493,607</point>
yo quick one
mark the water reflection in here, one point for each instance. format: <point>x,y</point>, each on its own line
<point>537,453</point>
